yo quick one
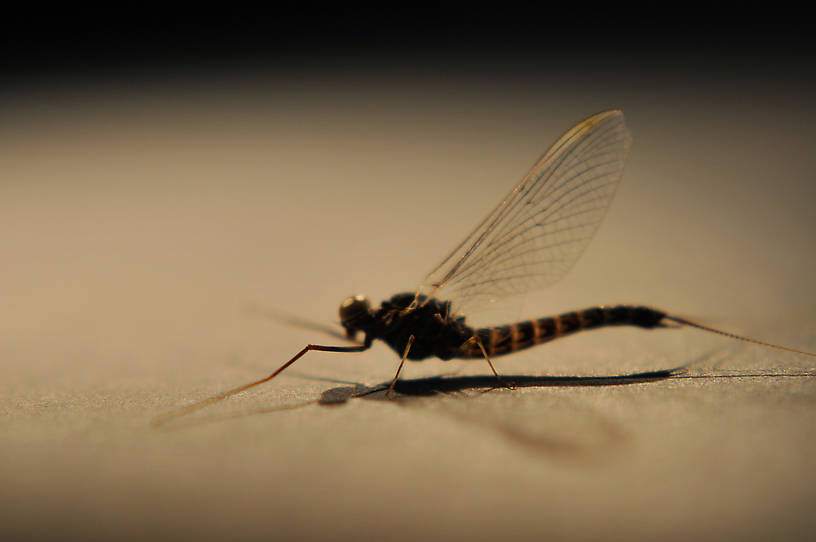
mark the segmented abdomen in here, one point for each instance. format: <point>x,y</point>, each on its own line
<point>511,338</point>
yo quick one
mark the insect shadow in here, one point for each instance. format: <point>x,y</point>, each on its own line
<point>407,390</point>
<point>599,437</point>
<point>594,441</point>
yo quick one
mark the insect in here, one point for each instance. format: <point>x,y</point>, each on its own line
<point>530,240</point>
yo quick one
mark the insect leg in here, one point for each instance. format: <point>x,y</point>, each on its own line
<point>487,358</point>
<point>221,396</point>
<point>399,369</point>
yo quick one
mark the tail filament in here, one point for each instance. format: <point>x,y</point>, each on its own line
<point>685,322</point>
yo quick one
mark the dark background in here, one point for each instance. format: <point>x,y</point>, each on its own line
<point>47,46</point>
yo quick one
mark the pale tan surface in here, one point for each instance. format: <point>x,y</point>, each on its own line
<point>135,227</point>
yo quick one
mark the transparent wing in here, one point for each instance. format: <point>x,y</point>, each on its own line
<point>537,233</point>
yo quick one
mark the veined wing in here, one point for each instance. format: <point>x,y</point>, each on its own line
<point>540,229</point>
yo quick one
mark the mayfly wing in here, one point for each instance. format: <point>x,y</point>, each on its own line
<point>540,229</point>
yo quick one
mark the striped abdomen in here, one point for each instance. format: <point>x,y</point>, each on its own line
<point>506,339</point>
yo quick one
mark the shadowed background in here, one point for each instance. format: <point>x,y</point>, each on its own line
<point>162,188</point>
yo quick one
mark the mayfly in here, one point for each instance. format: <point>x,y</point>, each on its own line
<point>530,240</point>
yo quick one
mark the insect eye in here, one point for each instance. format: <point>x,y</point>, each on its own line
<point>353,308</point>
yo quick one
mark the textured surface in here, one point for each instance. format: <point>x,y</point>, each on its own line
<point>135,232</point>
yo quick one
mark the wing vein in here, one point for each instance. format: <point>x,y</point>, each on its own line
<point>534,236</point>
